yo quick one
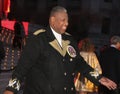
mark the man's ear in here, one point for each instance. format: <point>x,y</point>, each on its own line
<point>52,19</point>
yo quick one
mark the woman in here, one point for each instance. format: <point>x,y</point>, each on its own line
<point>87,52</point>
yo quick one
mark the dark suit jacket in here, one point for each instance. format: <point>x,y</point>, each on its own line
<point>48,68</point>
<point>2,51</point>
<point>110,64</point>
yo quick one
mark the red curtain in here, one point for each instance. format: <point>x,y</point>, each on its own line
<point>6,6</point>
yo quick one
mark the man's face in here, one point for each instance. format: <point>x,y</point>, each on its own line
<point>59,22</point>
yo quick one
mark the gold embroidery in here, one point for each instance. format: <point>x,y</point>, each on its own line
<point>67,33</point>
<point>94,73</point>
<point>39,31</point>
<point>14,83</point>
<point>62,50</point>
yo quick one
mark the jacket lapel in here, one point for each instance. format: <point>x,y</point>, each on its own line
<point>61,50</point>
<point>65,43</point>
<point>54,43</point>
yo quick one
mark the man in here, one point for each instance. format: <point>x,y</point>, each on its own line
<point>110,63</point>
<point>50,59</point>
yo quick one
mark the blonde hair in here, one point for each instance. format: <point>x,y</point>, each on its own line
<point>86,45</point>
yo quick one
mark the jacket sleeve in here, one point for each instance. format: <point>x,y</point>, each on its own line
<point>28,58</point>
<point>87,70</point>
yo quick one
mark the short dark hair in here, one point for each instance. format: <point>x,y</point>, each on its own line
<point>57,9</point>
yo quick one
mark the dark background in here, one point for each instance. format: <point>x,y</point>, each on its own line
<point>34,11</point>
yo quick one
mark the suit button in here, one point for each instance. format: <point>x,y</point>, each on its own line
<point>65,73</point>
<point>65,88</point>
<point>71,88</point>
<point>71,59</point>
<point>63,60</point>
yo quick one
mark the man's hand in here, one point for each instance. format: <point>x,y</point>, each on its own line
<point>108,83</point>
<point>8,92</point>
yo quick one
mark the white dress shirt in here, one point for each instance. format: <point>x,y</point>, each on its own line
<point>57,36</point>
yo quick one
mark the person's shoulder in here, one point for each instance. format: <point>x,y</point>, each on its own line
<point>87,53</point>
<point>68,34</point>
<point>38,32</point>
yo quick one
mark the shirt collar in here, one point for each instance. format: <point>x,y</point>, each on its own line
<point>57,36</point>
<point>113,46</point>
